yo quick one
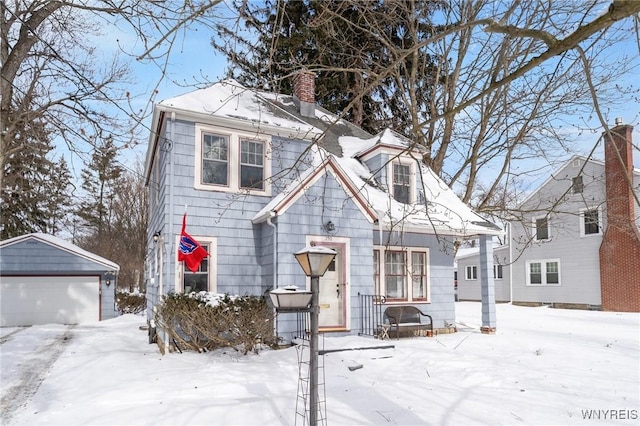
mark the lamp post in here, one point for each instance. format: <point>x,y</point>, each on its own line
<point>314,261</point>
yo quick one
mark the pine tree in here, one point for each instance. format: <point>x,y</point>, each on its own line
<point>352,59</point>
<point>35,192</point>
<point>100,180</point>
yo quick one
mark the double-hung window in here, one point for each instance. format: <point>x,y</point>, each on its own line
<point>497,272</point>
<point>231,161</point>
<point>204,279</point>
<point>215,159</point>
<point>251,164</point>
<point>541,228</point>
<point>402,182</point>
<point>543,272</point>
<point>576,185</point>
<point>471,273</point>
<point>589,222</point>
<point>401,273</point>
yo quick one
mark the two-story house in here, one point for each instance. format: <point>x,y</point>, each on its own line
<point>575,242</point>
<point>262,175</point>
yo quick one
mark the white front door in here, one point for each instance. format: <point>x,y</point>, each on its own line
<point>333,292</point>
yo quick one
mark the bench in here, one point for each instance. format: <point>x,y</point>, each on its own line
<point>407,318</point>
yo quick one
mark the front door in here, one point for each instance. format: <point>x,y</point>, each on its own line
<point>333,292</point>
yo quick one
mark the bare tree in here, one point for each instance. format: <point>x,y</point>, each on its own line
<point>53,70</point>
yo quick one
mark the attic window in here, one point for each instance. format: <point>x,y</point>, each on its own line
<point>402,183</point>
<point>576,185</point>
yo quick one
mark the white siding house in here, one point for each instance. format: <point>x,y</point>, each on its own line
<point>556,241</point>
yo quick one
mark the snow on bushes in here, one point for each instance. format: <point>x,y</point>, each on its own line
<point>205,321</point>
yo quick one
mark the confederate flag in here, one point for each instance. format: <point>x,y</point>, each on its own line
<point>189,250</point>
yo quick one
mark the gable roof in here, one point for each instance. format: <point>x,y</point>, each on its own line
<point>62,245</point>
<point>340,146</point>
<point>557,172</point>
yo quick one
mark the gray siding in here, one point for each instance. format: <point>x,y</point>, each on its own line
<point>471,289</point>
<point>33,257</point>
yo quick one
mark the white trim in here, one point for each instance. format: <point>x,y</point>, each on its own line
<point>409,284</point>
<point>212,242</point>
<point>582,224</point>
<point>543,272</point>
<point>468,272</point>
<point>234,138</point>
<point>403,160</point>
<point>534,225</point>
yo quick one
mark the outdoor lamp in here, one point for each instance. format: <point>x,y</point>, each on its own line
<point>290,299</point>
<point>314,261</point>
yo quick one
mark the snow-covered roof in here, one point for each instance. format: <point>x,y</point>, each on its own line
<point>63,245</point>
<point>341,142</point>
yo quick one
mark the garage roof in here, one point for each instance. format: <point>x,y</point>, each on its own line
<point>62,245</point>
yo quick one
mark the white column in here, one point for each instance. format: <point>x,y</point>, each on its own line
<point>487,285</point>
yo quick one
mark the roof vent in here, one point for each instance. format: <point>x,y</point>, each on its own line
<point>619,121</point>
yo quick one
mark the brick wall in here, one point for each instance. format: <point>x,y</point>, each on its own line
<point>620,248</point>
<point>304,86</point>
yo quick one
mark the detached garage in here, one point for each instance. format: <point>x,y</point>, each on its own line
<point>44,280</point>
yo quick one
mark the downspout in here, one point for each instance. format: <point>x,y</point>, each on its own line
<point>273,214</point>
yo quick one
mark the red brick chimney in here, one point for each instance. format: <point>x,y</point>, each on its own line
<point>620,248</point>
<point>304,96</point>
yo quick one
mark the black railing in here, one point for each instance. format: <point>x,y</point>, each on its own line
<point>371,310</point>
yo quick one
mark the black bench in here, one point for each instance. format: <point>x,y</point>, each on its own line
<point>407,318</point>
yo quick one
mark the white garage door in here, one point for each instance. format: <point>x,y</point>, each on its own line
<point>46,300</point>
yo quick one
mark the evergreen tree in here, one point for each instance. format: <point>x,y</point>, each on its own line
<point>352,59</point>
<point>100,180</point>
<point>35,191</point>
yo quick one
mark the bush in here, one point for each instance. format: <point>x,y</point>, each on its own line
<point>130,303</point>
<point>203,321</point>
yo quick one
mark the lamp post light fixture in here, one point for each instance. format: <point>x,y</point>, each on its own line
<point>314,262</point>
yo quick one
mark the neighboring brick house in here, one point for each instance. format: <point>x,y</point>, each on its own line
<point>576,243</point>
<point>265,174</point>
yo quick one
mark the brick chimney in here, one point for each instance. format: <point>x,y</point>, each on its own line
<point>304,96</point>
<point>620,247</point>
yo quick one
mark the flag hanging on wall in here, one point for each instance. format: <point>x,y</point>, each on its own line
<point>189,250</point>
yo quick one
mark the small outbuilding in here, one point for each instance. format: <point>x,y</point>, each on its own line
<point>45,279</point>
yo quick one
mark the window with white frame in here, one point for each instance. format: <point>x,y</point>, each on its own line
<point>576,185</point>
<point>541,228</point>
<point>231,161</point>
<point>590,222</point>
<point>204,279</point>
<point>402,182</point>
<point>471,272</point>
<point>497,272</point>
<point>543,272</point>
<point>401,273</point>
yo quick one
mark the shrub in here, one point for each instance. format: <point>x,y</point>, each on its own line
<point>204,321</point>
<point>130,303</point>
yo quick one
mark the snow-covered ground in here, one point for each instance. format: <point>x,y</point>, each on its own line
<point>543,367</point>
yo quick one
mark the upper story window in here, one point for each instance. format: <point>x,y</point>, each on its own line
<point>231,161</point>
<point>215,159</point>
<point>590,222</point>
<point>251,164</point>
<point>402,182</point>
<point>541,227</point>
<point>576,185</point>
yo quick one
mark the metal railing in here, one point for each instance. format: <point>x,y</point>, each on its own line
<point>371,313</point>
